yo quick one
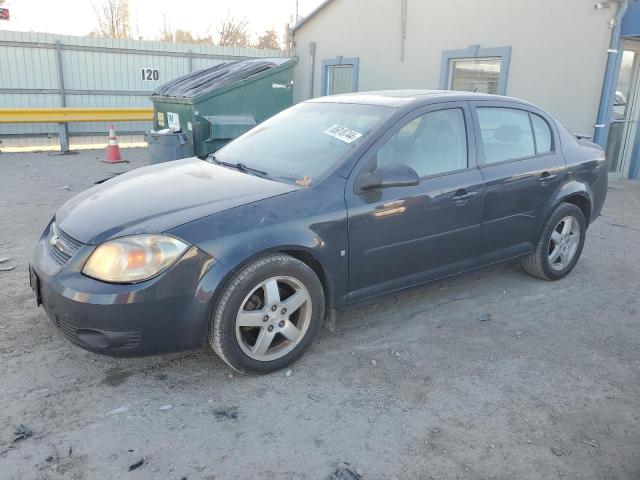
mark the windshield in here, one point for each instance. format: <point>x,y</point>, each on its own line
<point>302,143</point>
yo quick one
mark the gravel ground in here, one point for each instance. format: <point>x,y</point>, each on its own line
<point>492,375</point>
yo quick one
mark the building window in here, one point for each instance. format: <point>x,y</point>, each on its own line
<point>480,75</point>
<point>340,75</point>
<point>475,69</point>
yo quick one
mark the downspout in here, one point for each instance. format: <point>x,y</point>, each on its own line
<point>608,93</point>
<point>403,27</point>
<point>312,66</point>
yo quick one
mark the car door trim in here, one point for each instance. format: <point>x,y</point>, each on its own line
<point>416,240</point>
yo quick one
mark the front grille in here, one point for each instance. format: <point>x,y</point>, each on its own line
<point>61,246</point>
<point>59,256</point>
<point>69,241</point>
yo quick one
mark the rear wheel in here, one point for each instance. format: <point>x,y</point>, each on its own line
<point>267,315</point>
<point>560,244</point>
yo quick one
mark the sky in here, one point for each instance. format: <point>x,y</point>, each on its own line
<point>200,17</point>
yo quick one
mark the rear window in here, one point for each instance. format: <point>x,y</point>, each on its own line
<point>544,143</point>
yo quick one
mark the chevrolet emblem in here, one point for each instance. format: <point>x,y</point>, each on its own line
<point>53,241</point>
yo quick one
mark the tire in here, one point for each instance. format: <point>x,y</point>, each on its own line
<point>541,262</point>
<point>261,305</point>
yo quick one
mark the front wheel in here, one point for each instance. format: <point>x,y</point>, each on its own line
<point>560,244</point>
<point>267,314</point>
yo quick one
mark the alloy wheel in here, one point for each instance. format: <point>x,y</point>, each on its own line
<point>564,242</point>
<point>273,318</point>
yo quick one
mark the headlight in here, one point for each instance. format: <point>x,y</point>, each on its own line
<point>133,259</point>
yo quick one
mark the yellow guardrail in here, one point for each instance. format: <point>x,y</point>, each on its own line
<point>67,114</point>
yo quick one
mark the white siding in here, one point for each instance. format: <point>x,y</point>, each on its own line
<point>559,47</point>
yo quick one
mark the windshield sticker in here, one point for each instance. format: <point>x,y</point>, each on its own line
<point>343,133</point>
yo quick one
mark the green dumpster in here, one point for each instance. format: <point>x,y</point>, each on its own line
<point>217,104</point>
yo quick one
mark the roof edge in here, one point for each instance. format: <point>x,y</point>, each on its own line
<point>312,14</point>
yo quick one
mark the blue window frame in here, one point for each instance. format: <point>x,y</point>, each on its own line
<point>475,52</point>
<point>338,68</point>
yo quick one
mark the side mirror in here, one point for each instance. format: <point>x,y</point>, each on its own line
<point>394,175</point>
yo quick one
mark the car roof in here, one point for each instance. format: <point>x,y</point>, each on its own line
<point>399,98</point>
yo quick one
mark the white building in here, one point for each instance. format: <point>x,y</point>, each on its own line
<point>575,58</point>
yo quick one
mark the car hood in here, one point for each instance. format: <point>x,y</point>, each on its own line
<point>156,198</point>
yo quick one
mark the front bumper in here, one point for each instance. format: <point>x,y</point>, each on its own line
<point>167,313</point>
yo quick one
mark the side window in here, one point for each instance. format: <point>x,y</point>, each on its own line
<point>542,131</point>
<point>433,143</point>
<point>506,134</point>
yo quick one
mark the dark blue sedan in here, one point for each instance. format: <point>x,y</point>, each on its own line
<point>330,202</point>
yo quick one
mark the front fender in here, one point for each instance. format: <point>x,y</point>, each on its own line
<point>311,220</point>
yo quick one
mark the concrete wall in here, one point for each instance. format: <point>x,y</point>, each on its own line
<point>559,47</point>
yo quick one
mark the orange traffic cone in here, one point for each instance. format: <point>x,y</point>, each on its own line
<point>113,150</point>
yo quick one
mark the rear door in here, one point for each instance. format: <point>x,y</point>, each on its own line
<point>522,166</point>
<point>400,236</point>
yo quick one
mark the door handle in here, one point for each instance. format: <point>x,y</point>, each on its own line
<point>462,196</point>
<point>545,177</point>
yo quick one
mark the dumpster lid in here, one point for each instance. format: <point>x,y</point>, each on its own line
<point>212,78</point>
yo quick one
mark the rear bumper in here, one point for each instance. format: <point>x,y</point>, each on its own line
<point>167,313</point>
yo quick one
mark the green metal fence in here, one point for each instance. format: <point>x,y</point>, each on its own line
<point>40,70</point>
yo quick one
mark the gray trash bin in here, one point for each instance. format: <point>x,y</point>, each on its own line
<point>164,147</point>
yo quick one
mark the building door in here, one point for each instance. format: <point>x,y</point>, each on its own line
<point>624,116</point>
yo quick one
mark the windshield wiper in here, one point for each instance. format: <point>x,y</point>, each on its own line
<point>239,166</point>
<point>242,166</point>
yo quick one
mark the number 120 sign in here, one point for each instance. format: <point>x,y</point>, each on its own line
<point>150,73</point>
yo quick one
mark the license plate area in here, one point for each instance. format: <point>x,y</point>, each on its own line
<point>34,281</point>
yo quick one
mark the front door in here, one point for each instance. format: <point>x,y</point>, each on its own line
<point>401,236</point>
<point>624,116</point>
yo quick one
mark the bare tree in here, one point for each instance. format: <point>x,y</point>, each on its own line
<point>233,33</point>
<point>166,34</point>
<point>184,36</point>
<point>181,36</point>
<point>113,19</point>
<point>268,40</point>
